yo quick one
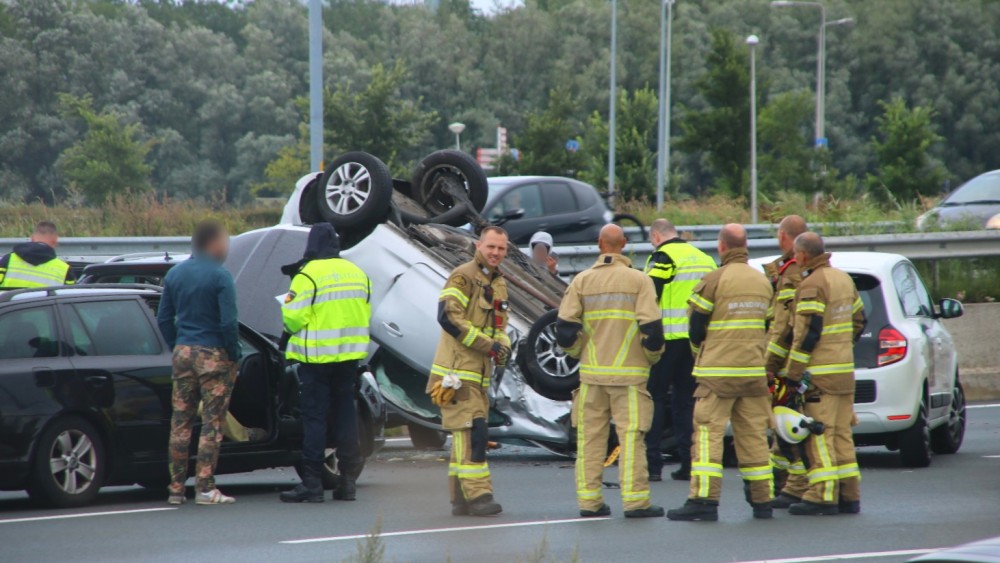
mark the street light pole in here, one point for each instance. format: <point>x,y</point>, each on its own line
<point>457,129</point>
<point>821,141</point>
<point>611,103</point>
<point>752,41</point>
<point>316,85</point>
<point>663,138</point>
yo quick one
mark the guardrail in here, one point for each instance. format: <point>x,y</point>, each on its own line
<point>915,246</point>
<point>95,249</point>
<point>768,230</point>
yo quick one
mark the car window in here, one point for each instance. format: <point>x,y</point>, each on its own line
<point>980,188</point>
<point>149,279</point>
<point>586,196</point>
<point>79,338</point>
<point>525,197</point>
<point>28,333</point>
<point>557,199</point>
<point>913,296</point>
<point>118,328</point>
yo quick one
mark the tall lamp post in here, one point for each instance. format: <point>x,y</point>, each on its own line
<point>752,41</point>
<point>663,138</point>
<point>457,129</point>
<point>611,103</point>
<point>316,84</point>
<point>820,61</point>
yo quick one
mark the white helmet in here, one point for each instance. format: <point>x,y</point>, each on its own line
<point>792,426</point>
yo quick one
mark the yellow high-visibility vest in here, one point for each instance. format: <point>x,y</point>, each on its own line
<point>21,274</point>
<point>688,267</point>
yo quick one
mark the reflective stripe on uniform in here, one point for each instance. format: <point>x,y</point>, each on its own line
<point>810,307</point>
<point>626,371</point>
<point>757,473</point>
<point>582,492</point>
<point>737,324</point>
<point>777,350</point>
<point>838,328</point>
<point>825,473</point>
<point>470,337</point>
<point>631,430</point>
<point>456,293</point>
<point>702,468</point>
<point>465,470</point>
<point>700,301</point>
<point>801,357</point>
<point>464,375</point>
<point>712,371</point>
<point>831,369</point>
<point>858,305</point>
<point>331,293</point>
<point>608,314</point>
<point>848,471</point>
<point>315,352</point>
<point>786,294</point>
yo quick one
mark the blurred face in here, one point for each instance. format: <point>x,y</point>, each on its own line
<point>539,253</point>
<point>493,247</point>
<point>219,248</point>
<point>656,239</point>
<point>800,257</point>
<point>785,242</point>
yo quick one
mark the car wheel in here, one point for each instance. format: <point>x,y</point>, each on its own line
<point>424,438</point>
<point>947,439</point>
<point>355,191</point>
<point>444,170</point>
<point>68,467</point>
<point>915,441</point>
<point>624,220</point>
<point>551,372</point>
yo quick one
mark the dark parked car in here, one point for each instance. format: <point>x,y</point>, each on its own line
<point>975,205</point>
<point>569,210</point>
<point>85,385</point>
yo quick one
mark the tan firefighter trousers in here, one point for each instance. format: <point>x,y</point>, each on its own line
<point>594,406</point>
<point>833,467</point>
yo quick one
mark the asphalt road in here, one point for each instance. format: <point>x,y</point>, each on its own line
<point>904,512</point>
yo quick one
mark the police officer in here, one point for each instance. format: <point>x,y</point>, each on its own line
<point>785,274</point>
<point>327,311</point>
<point>34,263</point>
<point>829,318</point>
<point>472,312</point>
<point>728,312</point>
<point>609,319</point>
<point>676,267</point>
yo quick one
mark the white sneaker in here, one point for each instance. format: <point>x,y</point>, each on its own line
<point>214,496</point>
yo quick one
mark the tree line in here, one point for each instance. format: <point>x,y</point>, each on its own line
<point>195,99</point>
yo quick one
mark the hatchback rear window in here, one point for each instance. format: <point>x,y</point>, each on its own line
<point>870,290</point>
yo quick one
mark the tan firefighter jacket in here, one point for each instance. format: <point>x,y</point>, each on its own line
<point>785,274</point>
<point>609,319</point>
<point>728,310</point>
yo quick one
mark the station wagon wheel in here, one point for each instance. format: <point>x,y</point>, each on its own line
<point>551,372</point>
<point>355,191</point>
<point>947,438</point>
<point>68,463</point>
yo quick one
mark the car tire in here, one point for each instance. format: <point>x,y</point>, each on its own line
<point>69,464</point>
<point>309,209</point>
<point>424,438</point>
<point>438,168</point>
<point>947,439</point>
<point>550,372</point>
<point>915,441</point>
<point>355,191</point>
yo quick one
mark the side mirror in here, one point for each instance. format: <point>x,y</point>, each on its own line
<point>510,215</point>
<point>950,309</point>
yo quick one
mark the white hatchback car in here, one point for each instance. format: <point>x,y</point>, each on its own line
<point>907,396</point>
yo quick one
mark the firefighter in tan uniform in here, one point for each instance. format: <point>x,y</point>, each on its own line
<point>728,310</point>
<point>829,318</point>
<point>609,319</point>
<point>472,312</point>
<point>785,275</point>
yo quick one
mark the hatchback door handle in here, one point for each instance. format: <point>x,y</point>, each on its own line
<point>392,329</point>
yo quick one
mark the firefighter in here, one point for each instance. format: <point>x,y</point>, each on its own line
<point>34,263</point>
<point>829,318</point>
<point>326,313</point>
<point>785,275</point>
<point>676,267</point>
<point>727,318</point>
<point>472,312</point>
<point>609,319</point>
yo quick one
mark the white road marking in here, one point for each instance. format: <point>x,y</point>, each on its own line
<point>991,456</point>
<point>81,515</point>
<point>447,530</point>
<point>847,556</point>
<point>989,406</point>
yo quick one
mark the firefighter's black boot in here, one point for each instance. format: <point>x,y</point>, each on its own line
<point>347,488</point>
<point>651,511</point>
<point>806,508</point>
<point>309,490</point>
<point>484,506</point>
<point>695,511</point>
<point>603,510</point>
<point>784,500</point>
<point>762,510</point>
<point>849,506</point>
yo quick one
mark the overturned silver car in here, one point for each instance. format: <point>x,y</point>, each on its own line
<point>403,235</point>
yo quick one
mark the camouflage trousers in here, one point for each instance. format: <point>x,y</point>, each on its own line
<point>204,376</point>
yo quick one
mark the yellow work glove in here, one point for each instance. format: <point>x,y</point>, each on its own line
<point>441,395</point>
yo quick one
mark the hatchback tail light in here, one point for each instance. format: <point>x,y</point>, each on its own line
<point>891,346</point>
